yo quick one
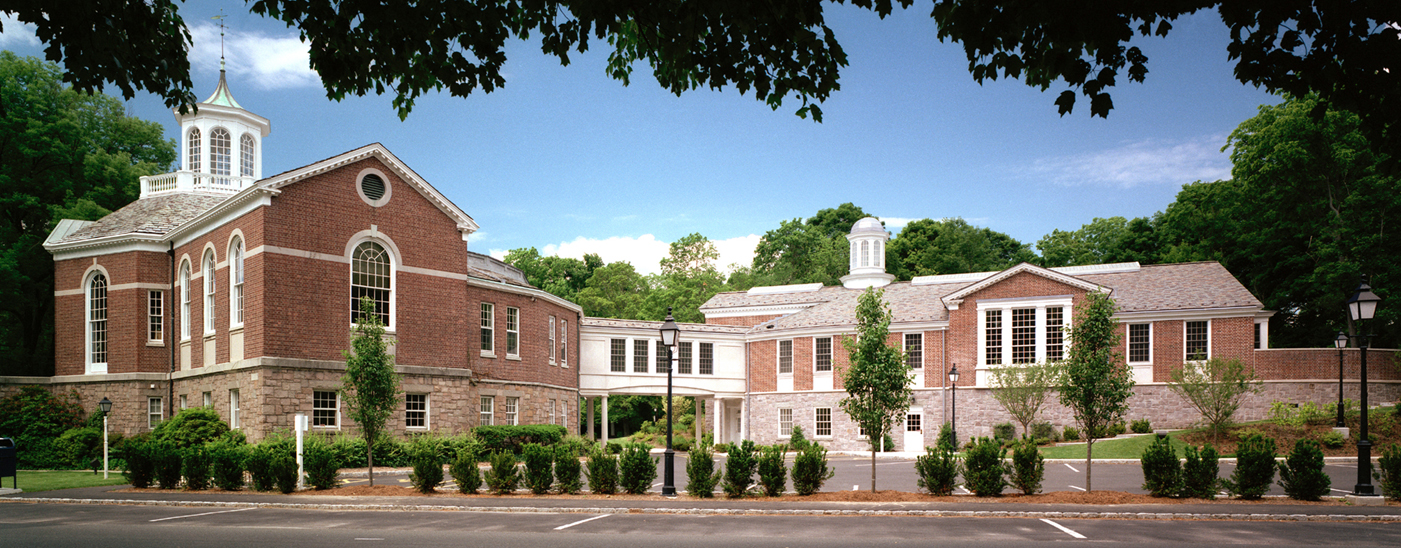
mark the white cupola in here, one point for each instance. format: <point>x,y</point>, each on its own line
<point>867,239</point>
<point>221,147</point>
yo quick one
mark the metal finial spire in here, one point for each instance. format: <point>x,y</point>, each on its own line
<point>220,18</point>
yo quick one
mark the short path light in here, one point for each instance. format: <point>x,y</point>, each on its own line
<point>1341,342</point>
<point>106,406</point>
<point>953,415</point>
<point>670,332</point>
<point>1362,306</point>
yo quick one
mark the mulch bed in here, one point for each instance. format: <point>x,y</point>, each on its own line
<point>1286,436</point>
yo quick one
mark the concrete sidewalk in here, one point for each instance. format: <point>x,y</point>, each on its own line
<point>1261,511</point>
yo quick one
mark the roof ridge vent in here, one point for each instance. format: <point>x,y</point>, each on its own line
<point>781,289</point>
<point>950,278</point>
<point>1109,268</point>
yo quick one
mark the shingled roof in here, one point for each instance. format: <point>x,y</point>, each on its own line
<point>154,216</point>
<point>646,324</point>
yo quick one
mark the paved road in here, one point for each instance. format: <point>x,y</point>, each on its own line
<point>53,525</point>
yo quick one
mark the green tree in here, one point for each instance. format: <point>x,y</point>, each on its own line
<point>1112,240</point>
<point>563,277</point>
<point>64,154</point>
<point>689,278</point>
<point>1215,388</point>
<point>803,251</point>
<point>951,246</point>
<point>878,382</point>
<point>1023,390</point>
<point>1097,381</point>
<point>370,384</point>
<point>614,290</point>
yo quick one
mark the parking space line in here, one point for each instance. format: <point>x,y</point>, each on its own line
<point>1339,490</point>
<point>1064,529</point>
<point>1074,487</point>
<point>204,514</point>
<point>581,521</point>
<point>1072,468</point>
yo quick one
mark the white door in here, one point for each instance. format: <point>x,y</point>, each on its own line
<point>914,430</point>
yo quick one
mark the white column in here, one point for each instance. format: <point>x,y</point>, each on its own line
<point>743,420</point>
<point>605,421</point>
<point>700,418</point>
<point>588,402</point>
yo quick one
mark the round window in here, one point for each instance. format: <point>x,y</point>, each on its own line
<point>372,186</point>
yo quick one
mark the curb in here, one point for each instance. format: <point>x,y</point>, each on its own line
<point>729,511</point>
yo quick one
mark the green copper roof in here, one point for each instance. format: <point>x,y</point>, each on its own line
<point>222,96</point>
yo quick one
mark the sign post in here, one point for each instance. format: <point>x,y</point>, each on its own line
<point>300,425</point>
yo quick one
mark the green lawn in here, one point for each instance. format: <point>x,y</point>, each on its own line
<point>1121,448</point>
<point>49,480</point>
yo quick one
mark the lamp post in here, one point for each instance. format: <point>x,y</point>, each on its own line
<point>106,406</point>
<point>1362,306</point>
<point>669,334</point>
<point>953,414</point>
<point>1341,342</point>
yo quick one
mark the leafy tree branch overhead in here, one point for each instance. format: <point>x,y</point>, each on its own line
<point>779,49</point>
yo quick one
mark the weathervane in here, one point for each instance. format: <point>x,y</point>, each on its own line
<point>220,18</point>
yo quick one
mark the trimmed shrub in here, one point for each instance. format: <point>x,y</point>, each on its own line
<point>567,471</point>
<point>191,427</point>
<point>1388,472</point>
<point>681,444</point>
<point>140,469</point>
<point>1140,426</point>
<point>888,444</point>
<point>166,458</point>
<point>1028,467</point>
<point>284,469</point>
<point>82,445</point>
<point>426,455</point>
<point>1301,475</point>
<point>701,475</point>
<point>938,470</point>
<point>465,472</point>
<point>1162,472</point>
<point>35,418</point>
<point>946,436</point>
<point>720,448</point>
<point>810,469</point>
<point>739,470</point>
<point>603,473</point>
<point>1199,474</point>
<point>773,471</point>
<point>636,469</point>
<point>1004,432</point>
<point>1070,433</point>
<point>613,447</point>
<point>797,440</point>
<point>1044,431</point>
<point>269,462</point>
<point>983,469</point>
<point>1332,440</point>
<point>226,457</point>
<point>195,467</point>
<point>1255,468</point>
<point>539,468</point>
<point>579,445</point>
<point>513,438</point>
<point>320,464</point>
<point>503,476</point>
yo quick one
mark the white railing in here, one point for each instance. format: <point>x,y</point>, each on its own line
<point>189,181</point>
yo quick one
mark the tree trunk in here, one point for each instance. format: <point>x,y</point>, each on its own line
<point>1089,451</point>
<point>873,466</point>
<point>370,458</point>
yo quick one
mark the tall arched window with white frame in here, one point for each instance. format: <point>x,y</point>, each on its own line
<point>192,151</point>
<point>246,147</point>
<point>184,300</point>
<point>236,282</point>
<point>97,323</point>
<point>209,287</point>
<point>371,276</point>
<point>865,253</point>
<point>220,157</point>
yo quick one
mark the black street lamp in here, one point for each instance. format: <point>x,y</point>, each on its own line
<point>106,406</point>
<point>669,334</point>
<point>1341,342</point>
<point>1362,306</point>
<point>953,414</point>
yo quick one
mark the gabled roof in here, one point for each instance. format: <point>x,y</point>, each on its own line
<point>152,217</point>
<point>955,297</point>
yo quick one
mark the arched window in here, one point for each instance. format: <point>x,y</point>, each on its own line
<point>246,148</point>
<point>97,323</point>
<point>192,161</point>
<point>852,254</point>
<point>184,300</point>
<point>220,159</point>
<point>209,286</point>
<point>370,276</point>
<point>236,282</point>
<point>865,253</point>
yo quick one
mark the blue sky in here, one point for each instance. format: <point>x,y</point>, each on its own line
<point>570,161</point>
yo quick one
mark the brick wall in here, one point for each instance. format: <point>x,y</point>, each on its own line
<point>763,366</point>
<point>963,323</point>
<point>1322,363</point>
<point>127,344</point>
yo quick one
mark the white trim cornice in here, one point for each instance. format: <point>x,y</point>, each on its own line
<point>527,291</point>
<point>759,310</point>
<point>952,300</point>
<point>1189,314</point>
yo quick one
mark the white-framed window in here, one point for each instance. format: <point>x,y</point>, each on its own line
<point>785,357</point>
<point>1197,340</point>
<point>992,329</point>
<point>683,358</point>
<point>552,340</point>
<point>236,282</point>
<point>914,350</point>
<point>208,399</point>
<point>513,331</point>
<point>234,409</point>
<point>785,422</point>
<point>192,150</point>
<point>155,411</point>
<point>563,342</point>
<point>488,323</point>
<point>617,355</point>
<point>552,411</point>
<point>1023,335</point>
<point>662,357</point>
<point>97,323</point>
<point>184,300</point>
<point>155,316</point>
<point>914,422</point>
<point>1022,331</point>
<point>512,410</point>
<point>1055,333</point>
<point>865,253</point>
<point>183,401</point>
<point>247,149</point>
<point>640,355</point>
<point>487,409</point>
<point>707,358</point>
<point>209,287</point>
<point>822,354</point>
<point>1140,342</point>
<point>372,276</point>
<point>416,411</point>
<point>220,158</point>
<point>823,419</point>
<point>325,408</point>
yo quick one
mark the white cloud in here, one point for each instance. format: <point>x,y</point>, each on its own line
<point>266,61</point>
<point>17,34</point>
<point>897,222</point>
<point>1150,162</point>
<point>645,252</point>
